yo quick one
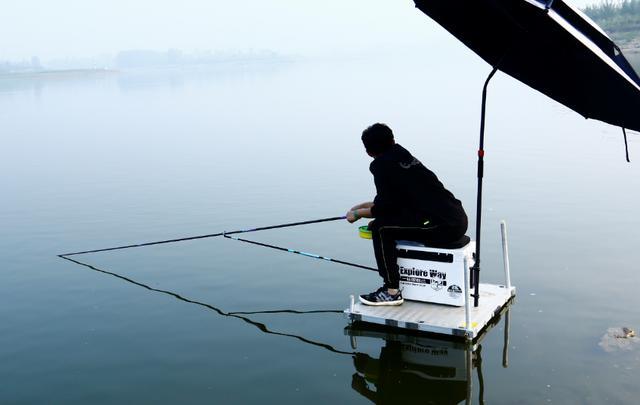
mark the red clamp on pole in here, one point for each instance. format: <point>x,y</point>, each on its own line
<point>481,153</point>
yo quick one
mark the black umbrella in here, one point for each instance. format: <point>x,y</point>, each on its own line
<point>550,46</point>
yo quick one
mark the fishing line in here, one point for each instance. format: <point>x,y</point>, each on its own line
<point>262,327</point>
<point>288,311</point>
<point>211,235</point>
<point>626,145</point>
<point>311,255</point>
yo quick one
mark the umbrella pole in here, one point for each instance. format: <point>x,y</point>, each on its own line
<point>475,270</point>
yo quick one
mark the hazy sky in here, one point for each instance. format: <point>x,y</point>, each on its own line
<point>76,28</point>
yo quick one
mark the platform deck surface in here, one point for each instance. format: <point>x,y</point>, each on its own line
<point>437,318</point>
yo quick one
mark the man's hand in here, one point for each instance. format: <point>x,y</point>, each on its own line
<point>359,211</point>
<point>352,216</point>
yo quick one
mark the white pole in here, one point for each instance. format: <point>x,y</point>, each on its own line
<point>467,309</point>
<point>505,255</point>
<point>351,304</point>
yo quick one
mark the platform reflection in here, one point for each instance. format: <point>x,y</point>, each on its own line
<point>418,368</point>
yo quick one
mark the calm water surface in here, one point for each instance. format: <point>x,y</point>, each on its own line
<point>109,159</point>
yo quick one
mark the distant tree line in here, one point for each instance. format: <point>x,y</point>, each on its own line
<point>620,18</point>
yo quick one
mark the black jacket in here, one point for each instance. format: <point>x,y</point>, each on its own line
<point>409,194</point>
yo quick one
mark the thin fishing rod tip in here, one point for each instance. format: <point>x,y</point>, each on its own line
<point>225,234</point>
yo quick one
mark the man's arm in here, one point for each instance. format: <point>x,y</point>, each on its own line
<point>363,205</point>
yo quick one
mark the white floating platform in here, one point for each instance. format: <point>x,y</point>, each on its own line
<point>437,318</point>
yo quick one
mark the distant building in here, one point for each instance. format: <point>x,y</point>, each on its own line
<point>140,58</point>
<point>35,63</point>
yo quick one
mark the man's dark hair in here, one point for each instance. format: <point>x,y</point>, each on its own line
<point>378,138</point>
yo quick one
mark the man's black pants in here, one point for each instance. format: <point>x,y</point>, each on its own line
<point>384,244</point>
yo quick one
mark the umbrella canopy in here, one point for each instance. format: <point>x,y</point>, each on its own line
<point>550,46</point>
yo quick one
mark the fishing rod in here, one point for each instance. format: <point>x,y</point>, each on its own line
<point>311,255</point>
<point>211,235</point>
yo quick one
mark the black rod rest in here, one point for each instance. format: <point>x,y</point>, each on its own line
<point>475,270</point>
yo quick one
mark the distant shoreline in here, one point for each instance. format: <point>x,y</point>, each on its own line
<point>58,73</point>
<point>62,73</point>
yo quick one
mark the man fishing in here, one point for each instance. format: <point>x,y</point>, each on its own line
<point>410,204</point>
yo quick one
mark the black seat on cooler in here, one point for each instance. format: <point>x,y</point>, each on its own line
<point>462,242</point>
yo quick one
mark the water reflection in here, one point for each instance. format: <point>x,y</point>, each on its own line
<point>414,368</point>
<point>238,315</point>
<point>138,79</point>
<point>36,82</point>
<point>142,79</point>
<point>411,367</point>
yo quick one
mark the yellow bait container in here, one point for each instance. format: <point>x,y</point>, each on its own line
<point>364,232</point>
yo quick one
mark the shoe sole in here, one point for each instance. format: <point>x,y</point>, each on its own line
<point>382,303</point>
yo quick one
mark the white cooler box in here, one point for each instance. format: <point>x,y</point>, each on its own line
<point>432,274</point>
